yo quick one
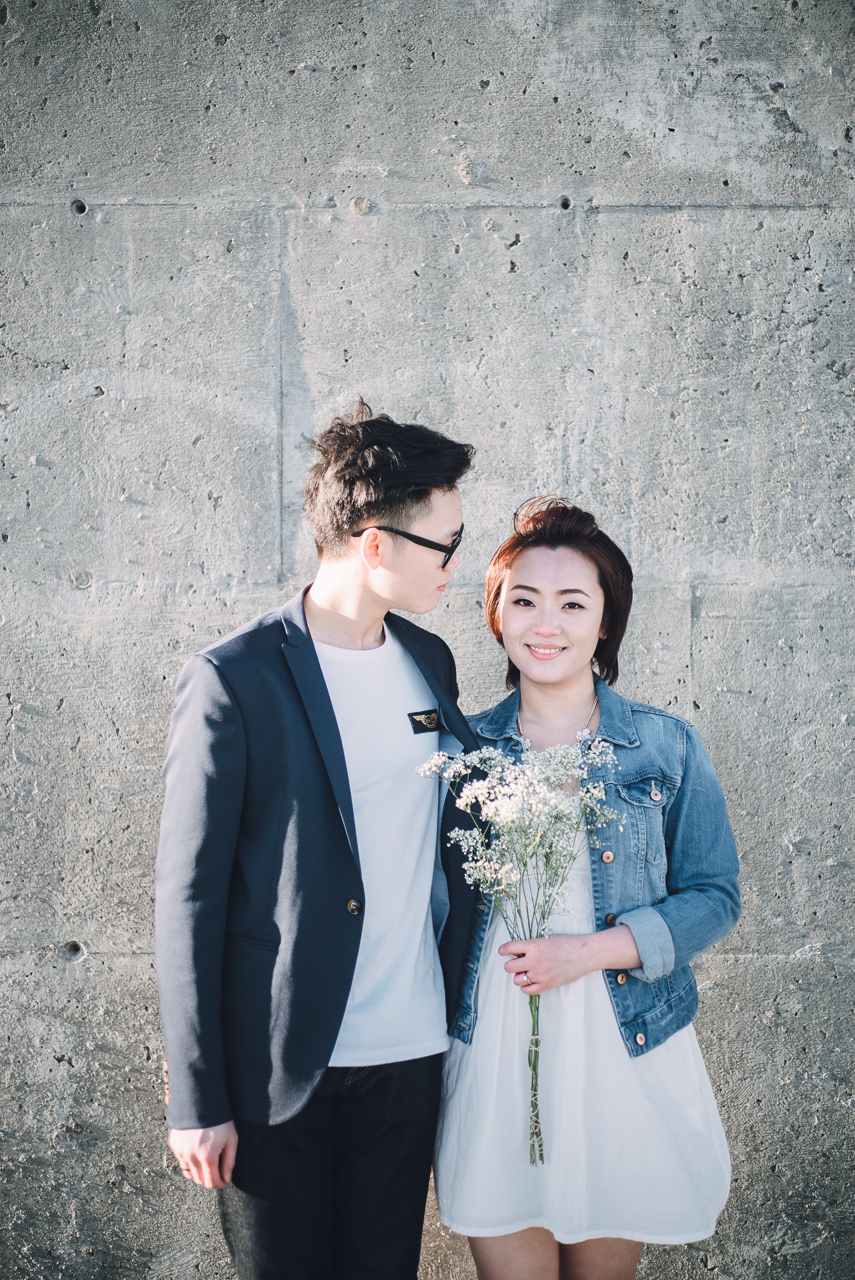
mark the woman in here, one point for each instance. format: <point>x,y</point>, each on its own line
<point>635,1150</point>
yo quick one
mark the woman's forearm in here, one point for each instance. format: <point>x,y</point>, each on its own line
<point>538,964</point>
<point>613,949</point>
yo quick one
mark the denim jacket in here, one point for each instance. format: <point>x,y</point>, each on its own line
<point>670,874</point>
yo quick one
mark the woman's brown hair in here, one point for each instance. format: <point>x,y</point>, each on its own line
<point>552,522</point>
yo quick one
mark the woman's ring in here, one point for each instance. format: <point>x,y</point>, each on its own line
<point>526,980</point>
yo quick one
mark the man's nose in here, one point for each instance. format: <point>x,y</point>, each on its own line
<point>454,562</point>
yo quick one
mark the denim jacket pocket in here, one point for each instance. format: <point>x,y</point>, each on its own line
<point>651,793</point>
<point>645,800</point>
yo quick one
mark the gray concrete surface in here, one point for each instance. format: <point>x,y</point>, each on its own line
<point>610,242</point>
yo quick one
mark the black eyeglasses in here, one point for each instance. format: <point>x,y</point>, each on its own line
<point>447,548</point>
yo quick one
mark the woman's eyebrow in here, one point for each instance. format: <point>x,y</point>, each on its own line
<point>565,591</point>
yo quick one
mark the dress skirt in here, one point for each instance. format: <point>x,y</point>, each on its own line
<point>633,1147</point>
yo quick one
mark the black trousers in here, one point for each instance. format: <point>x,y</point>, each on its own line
<point>338,1192</point>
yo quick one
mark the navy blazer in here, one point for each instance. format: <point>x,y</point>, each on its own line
<point>257,866</point>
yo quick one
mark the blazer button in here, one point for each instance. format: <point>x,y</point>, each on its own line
<point>610,919</point>
<point>621,978</point>
<point>608,856</point>
<point>641,1038</point>
<point>354,907</point>
<point>655,794</point>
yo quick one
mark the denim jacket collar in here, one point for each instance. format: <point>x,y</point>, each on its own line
<point>615,725</point>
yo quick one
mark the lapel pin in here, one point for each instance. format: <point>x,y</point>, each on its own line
<point>424,721</point>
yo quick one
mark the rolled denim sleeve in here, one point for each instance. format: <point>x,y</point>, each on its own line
<point>703,902</point>
<point>654,942</point>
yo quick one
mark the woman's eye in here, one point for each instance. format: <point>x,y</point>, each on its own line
<point>572,604</point>
<point>522,600</point>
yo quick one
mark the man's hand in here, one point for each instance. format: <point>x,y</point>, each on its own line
<point>206,1156</point>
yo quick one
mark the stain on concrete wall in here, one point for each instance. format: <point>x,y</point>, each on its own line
<point>609,242</point>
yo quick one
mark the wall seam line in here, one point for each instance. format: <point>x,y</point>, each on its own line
<point>280,404</point>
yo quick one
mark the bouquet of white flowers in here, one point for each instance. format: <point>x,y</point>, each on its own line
<point>519,851</point>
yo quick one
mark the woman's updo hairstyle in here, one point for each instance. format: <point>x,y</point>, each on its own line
<point>552,522</point>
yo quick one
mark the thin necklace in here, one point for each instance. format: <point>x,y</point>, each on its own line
<point>581,734</point>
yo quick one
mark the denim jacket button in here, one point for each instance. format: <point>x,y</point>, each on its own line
<point>655,794</point>
<point>621,978</point>
<point>354,907</point>
<point>608,856</point>
<point>610,919</point>
<point>641,1038</point>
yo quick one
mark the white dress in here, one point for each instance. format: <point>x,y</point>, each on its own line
<point>633,1147</point>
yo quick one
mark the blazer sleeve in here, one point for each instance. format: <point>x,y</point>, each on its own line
<point>204,784</point>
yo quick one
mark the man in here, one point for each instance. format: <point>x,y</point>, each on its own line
<point>301,891</point>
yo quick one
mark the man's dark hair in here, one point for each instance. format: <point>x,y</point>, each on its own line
<point>375,470</point>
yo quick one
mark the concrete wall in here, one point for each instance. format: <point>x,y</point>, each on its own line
<point>611,243</point>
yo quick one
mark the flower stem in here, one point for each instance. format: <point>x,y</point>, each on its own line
<point>535,1137</point>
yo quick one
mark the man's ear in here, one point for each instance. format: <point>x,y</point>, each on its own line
<point>371,548</point>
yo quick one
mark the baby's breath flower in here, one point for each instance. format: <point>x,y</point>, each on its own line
<point>518,853</point>
<point>529,813</point>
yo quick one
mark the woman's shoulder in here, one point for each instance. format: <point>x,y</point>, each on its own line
<point>661,713</point>
<point>495,722</point>
<point>665,737</point>
<point>475,724</point>
<point>616,706</point>
<point>477,717</point>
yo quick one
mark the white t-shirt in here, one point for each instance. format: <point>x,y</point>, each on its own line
<point>396,1007</point>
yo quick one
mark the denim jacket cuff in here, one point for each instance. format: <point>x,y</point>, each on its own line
<point>653,940</point>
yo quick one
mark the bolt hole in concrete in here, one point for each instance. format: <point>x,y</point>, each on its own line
<point>78,206</point>
<point>565,202</point>
<point>74,951</point>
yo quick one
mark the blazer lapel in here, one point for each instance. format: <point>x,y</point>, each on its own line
<point>303,660</point>
<point>299,653</point>
<point>453,717</point>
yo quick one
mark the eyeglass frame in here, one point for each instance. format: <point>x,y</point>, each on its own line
<point>449,548</point>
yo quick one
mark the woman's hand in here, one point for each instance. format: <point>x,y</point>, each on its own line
<point>541,963</point>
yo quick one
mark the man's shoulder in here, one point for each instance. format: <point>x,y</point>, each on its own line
<point>251,640</point>
<point>429,641</point>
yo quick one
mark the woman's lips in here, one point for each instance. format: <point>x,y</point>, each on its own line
<point>544,652</point>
